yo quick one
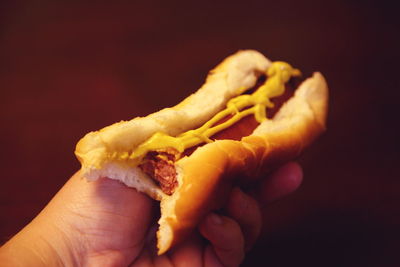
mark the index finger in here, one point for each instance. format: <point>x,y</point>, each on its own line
<point>280,183</point>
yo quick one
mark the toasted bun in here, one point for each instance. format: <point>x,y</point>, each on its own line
<point>204,184</point>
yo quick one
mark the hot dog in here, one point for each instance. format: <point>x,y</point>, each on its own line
<point>189,156</point>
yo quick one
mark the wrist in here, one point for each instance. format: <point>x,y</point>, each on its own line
<point>28,248</point>
<point>38,244</point>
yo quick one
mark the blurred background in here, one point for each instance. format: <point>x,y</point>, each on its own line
<point>68,67</point>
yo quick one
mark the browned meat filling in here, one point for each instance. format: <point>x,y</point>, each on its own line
<point>160,166</point>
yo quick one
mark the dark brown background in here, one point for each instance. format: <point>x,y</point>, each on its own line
<point>67,68</point>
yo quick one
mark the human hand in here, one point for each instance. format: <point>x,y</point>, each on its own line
<point>105,223</point>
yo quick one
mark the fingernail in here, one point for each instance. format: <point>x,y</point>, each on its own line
<point>215,219</point>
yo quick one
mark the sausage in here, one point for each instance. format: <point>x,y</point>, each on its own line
<point>160,167</point>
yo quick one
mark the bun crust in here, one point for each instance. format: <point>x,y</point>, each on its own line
<point>205,178</point>
<point>205,184</point>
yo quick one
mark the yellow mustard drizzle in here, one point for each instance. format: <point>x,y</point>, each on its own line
<point>241,106</point>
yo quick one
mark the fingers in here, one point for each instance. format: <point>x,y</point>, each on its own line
<point>230,238</point>
<point>282,182</point>
<point>188,253</point>
<point>246,212</point>
<point>227,243</point>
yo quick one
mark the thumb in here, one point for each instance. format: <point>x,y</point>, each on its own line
<point>103,215</point>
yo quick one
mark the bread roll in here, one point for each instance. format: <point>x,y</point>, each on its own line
<point>206,176</point>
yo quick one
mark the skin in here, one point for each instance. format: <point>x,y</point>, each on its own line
<point>105,223</point>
